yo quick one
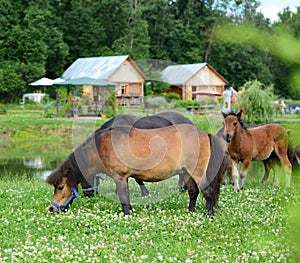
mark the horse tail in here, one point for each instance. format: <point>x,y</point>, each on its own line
<point>293,153</point>
<point>297,155</point>
<point>216,166</point>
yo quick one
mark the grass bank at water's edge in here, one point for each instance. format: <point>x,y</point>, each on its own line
<point>34,126</point>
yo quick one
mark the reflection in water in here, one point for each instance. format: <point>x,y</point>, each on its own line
<point>34,158</point>
<point>38,157</point>
<point>42,174</point>
<point>36,163</point>
<point>37,168</point>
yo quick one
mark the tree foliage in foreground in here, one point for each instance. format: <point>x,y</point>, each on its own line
<point>43,37</point>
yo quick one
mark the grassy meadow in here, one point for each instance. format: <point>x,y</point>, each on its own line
<point>258,224</point>
<point>254,225</point>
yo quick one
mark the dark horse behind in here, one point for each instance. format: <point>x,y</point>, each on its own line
<point>148,155</point>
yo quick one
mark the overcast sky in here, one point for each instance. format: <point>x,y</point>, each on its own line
<point>270,8</point>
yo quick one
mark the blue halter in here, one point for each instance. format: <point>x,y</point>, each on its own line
<point>70,199</point>
<point>93,188</point>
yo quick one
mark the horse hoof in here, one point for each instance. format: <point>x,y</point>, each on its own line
<point>127,209</point>
<point>210,214</point>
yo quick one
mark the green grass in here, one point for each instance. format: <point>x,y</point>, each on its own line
<point>258,224</point>
<point>31,125</point>
<point>34,126</point>
<point>250,226</point>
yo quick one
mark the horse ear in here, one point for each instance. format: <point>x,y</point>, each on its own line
<point>224,115</point>
<point>239,115</point>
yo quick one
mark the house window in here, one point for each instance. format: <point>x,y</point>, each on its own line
<point>194,88</point>
<point>124,89</point>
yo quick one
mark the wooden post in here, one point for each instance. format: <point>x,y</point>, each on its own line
<point>57,103</point>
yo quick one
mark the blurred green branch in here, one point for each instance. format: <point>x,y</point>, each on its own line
<point>280,42</point>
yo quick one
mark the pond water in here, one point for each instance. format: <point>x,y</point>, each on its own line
<point>39,157</point>
<point>34,158</point>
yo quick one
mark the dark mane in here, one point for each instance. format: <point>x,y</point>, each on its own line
<point>242,124</point>
<point>68,168</point>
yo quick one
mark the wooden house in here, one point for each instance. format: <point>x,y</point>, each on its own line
<point>188,78</point>
<point>120,70</point>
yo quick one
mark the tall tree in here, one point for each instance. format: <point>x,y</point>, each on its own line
<point>82,30</point>
<point>43,37</point>
<point>240,63</point>
<point>27,47</point>
<point>161,23</point>
<point>135,39</point>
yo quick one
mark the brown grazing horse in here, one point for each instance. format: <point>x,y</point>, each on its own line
<point>148,155</point>
<point>257,143</point>
<point>159,120</point>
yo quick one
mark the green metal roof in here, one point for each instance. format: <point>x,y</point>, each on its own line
<point>179,74</point>
<point>86,81</point>
<point>94,67</point>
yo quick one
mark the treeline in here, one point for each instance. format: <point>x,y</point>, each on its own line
<point>43,37</point>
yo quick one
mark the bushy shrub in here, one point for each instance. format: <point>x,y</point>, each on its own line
<point>49,114</point>
<point>172,96</point>
<point>186,103</point>
<point>157,101</point>
<point>109,113</point>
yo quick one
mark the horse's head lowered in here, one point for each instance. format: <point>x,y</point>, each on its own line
<point>65,189</point>
<point>232,122</point>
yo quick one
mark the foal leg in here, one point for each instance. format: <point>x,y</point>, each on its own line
<point>268,165</point>
<point>229,167</point>
<point>229,171</point>
<point>235,175</point>
<point>245,167</point>
<point>123,192</point>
